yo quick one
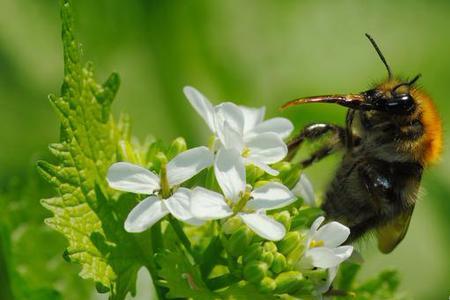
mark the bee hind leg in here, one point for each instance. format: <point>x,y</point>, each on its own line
<point>313,132</point>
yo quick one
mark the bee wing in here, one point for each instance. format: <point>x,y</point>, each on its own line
<point>391,234</point>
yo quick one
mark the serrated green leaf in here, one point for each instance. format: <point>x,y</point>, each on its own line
<point>83,211</point>
<point>182,278</point>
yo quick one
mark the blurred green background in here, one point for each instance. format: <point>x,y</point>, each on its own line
<point>252,52</point>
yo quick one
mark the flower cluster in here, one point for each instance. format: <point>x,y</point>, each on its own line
<point>241,137</point>
<point>242,140</point>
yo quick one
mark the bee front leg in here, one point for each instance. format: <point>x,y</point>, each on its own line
<point>313,132</point>
<point>320,153</point>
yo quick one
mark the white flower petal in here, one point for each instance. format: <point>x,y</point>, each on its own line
<point>265,167</point>
<point>316,224</point>
<point>264,226</point>
<point>188,164</point>
<point>252,116</point>
<point>231,113</point>
<point>322,257</point>
<point>332,234</point>
<point>280,126</point>
<point>179,205</point>
<point>145,214</point>
<point>331,275</point>
<point>201,104</point>
<point>208,205</point>
<point>230,173</point>
<point>230,138</point>
<point>304,189</point>
<point>132,178</point>
<point>266,147</point>
<point>343,252</point>
<point>270,196</point>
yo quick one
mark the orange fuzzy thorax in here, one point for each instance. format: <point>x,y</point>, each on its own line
<point>431,142</point>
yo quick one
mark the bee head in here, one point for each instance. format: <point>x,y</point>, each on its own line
<point>392,97</point>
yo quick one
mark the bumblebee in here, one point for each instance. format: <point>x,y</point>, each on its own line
<point>392,132</point>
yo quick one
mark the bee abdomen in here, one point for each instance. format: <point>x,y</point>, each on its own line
<point>368,192</point>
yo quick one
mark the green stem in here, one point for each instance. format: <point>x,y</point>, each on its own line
<point>157,241</point>
<point>210,256</point>
<point>157,246</point>
<point>181,235</point>
<point>221,281</point>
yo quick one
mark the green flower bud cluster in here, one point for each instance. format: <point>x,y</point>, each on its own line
<point>270,266</point>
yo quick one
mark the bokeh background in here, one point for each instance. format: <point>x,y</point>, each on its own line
<point>254,52</point>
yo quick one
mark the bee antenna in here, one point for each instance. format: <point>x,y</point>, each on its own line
<point>414,79</point>
<point>374,44</point>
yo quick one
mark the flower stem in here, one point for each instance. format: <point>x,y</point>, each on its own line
<point>156,237</point>
<point>181,235</point>
<point>210,256</point>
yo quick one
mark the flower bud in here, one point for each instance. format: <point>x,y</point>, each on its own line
<point>178,145</point>
<point>294,256</point>
<point>270,247</point>
<point>260,183</point>
<point>253,173</point>
<point>279,263</point>
<point>126,152</point>
<point>239,241</point>
<point>254,252</point>
<point>255,271</point>
<point>267,285</point>
<point>267,257</point>
<point>161,158</point>
<point>284,218</point>
<point>283,167</point>
<point>288,281</point>
<point>290,241</point>
<point>231,225</point>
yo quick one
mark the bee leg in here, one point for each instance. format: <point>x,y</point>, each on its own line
<point>319,154</point>
<point>313,132</point>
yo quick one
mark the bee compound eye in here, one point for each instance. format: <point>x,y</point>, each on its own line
<point>401,104</point>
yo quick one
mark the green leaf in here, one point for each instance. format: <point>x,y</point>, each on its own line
<point>84,210</point>
<point>181,277</point>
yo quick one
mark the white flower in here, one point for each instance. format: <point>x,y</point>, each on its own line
<point>242,128</point>
<point>323,249</point>
<point>250,206</point>
<point>132,178</point>
<point>303,188</point>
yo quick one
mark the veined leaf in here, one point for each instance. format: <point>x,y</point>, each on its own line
<point>84,210</point>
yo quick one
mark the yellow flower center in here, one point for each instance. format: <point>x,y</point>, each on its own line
<point>314,243</point>
<point>245,152</point>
